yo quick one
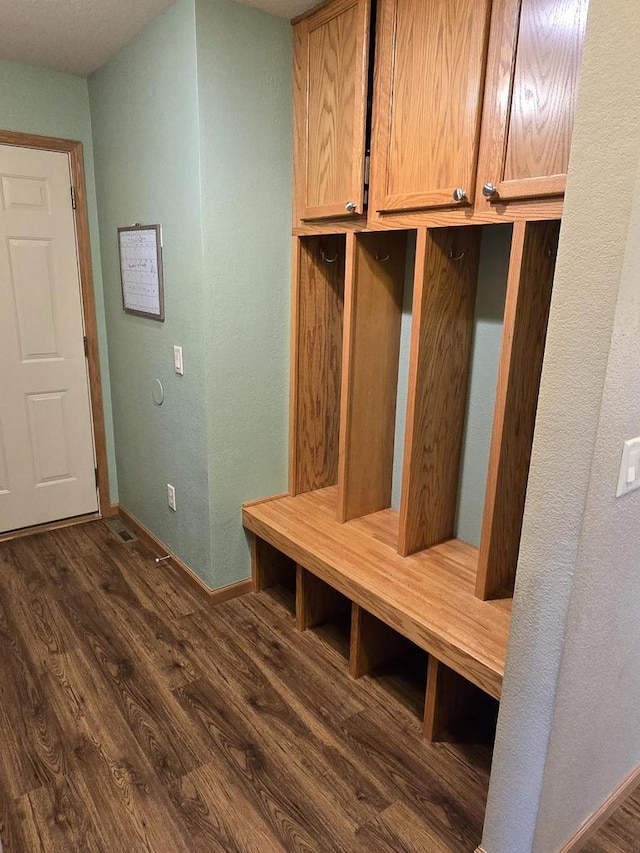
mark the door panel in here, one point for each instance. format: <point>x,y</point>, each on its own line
<point>331,93</point>
<point>46,436</point>
<point>545,88</point>
<point>429,85</point>
<point>30,282</point>
<point>530,99</point>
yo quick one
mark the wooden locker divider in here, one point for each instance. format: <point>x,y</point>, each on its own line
<point>316,361</point>
<point>372,642</point>
<point>373,312</point>
<point>443,313</point>
<point>531,272</point>
<point>316,601</point>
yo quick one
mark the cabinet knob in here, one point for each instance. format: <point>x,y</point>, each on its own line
<point>489,190</point>
<point>459,194</point>
<point>351,207</point>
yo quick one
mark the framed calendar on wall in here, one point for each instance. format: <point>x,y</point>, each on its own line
<point>140,248</point>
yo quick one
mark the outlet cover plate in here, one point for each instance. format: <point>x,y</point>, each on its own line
<point>629,476</point>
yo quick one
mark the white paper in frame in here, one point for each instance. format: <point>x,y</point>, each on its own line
<point>140,248</point>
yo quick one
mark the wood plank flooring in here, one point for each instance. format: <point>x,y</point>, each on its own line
<point>136,717</point>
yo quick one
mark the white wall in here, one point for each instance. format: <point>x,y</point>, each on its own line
<point>569,728</point>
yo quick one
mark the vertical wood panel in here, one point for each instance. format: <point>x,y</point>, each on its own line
<point>373,313</point>
<point>331,55</point>
<point>545,88</point>
<point>533,65</point>
<point>443,311</point>
<point>529,287</point>
<point>427,102</point>
<point>317,353</point>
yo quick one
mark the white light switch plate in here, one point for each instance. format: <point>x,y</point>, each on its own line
<point>629,476</point>
<point>178,364</point>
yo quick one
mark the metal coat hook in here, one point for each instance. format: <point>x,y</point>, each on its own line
<point>328,260</point>
<point>453,257</point>
<point>382,259</point>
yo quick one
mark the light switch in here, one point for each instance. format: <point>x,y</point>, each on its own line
<point>629,476</point>
<point>178,364</point>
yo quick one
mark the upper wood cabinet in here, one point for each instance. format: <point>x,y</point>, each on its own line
<point>469,118</point>
<point>532,80</point>
<point>430,62</point>
<point>331,54</point>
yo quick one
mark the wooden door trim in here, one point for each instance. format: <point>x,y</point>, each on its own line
<point>74,149</point>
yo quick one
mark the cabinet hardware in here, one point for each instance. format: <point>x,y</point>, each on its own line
<point>459,194</point>
<point>489,190</point>
<point>350,207</point>
<point>329,260</point>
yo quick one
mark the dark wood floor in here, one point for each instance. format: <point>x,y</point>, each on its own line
<point>134,717</point>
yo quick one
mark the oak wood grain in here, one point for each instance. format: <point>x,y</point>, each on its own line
<point>373,313</point>
<point>331,54</point>
<point>317,354</point>
<point>535,53</point>
<point>428,598</point>
<point>316,601</point>
<point>528,300</point>
<point>372,643</point>
<point>545,88</point>
<point>430,60</point>
<point>443,309</point>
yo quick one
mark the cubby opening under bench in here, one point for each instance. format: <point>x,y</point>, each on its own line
<point>428,598</point>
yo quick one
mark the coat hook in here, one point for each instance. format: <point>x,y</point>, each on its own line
<point>453,257</point>
<point>382,258</point>
<point>328,260</point>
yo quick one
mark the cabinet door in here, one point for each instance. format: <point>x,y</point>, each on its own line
<point>532,80</point>
<point>331,56</point>
<point>428,92</point>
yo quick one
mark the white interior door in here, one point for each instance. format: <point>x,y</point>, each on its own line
<point>46,433</point>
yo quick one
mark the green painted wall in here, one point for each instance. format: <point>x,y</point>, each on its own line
<point>145,125</point>
<point>192,127</point>
<point>245,97</point>
<point>34,100</point>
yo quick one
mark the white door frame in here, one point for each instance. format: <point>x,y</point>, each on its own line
<point>76,159</point>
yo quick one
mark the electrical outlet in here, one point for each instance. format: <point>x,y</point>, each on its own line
<point>171,497</point>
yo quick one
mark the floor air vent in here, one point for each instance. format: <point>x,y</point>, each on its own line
<point>120,531</point>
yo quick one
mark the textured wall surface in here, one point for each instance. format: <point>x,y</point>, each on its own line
<point>33,100</point>
<point>145,124</point>
<point>244,85</point>
<point>568,731</point>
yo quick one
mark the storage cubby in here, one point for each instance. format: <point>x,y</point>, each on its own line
<point>316,364</point>
<point>396,663</point>
<point>531,271</point>
<point>456,710</point>
<point>320,606</point>
<point>443,311</point>
<point>273,571</point>
<point>373,314</point>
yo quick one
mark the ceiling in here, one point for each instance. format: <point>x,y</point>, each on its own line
<point>78,36</point>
